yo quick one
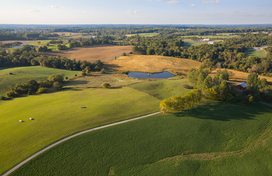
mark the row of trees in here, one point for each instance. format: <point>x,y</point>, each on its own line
<point>28,56</point>
<point>179,103</point>
<point>215,88</point>
<point>54,82</point>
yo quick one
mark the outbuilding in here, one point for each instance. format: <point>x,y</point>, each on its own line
<point>241,85</point>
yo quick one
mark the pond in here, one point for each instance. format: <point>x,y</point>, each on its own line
<point>162,75</point>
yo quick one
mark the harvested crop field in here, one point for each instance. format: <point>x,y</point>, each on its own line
<point>151,64</point>
<point>92,53</point>
<point>22,41</point>
<point>239,76</point>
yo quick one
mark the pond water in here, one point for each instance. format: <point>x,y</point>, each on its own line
<point>162,75</point>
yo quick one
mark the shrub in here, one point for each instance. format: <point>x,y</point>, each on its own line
<point>186,86</point>
<point>11,94</point>
<point>66,78</point>
<point>130,52</point>
<point>248,99</point>
<point>42,90</point>
<point>124,54</point>
<point>106,85</point>
<point>57,85</point>
<point>102,71</point>
<point>2,98</point>
<point>75,74</point>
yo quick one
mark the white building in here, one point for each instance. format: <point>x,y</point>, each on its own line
<point>211,42</point>
<point>206,40</point>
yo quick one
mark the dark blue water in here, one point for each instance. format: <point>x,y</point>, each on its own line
<point>163,75</point>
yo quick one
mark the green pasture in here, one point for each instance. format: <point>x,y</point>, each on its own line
<point>209,36</point>
<point>212,139</point>
<point>23,74</point>
<point>162,89</point>
<point>145,34</point>
<point>256,53</point>
<point>59,114</point>
<point>190,42</point>
<point>97,81</point>
<point>42,42</point>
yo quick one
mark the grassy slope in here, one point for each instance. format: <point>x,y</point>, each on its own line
<point>59,114</point>
<point>98,80</point>
<point>23,74</point>
<point>136,148</point>
<point>256,53</point>
<point>162,89</point>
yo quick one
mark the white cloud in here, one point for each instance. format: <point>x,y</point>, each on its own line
<point>33,11</point>
<point>211,2</point>
<point>172,2</point>
<point>135,11</point>
<point>192,5</point>
<point>55,7</point>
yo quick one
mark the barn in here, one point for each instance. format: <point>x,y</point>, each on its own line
<point>241,85</point>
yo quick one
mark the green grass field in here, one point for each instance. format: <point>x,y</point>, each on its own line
<point>97,81</point>
<point>212,139</point>
<point>59,114</point>
<point>162,89</point>
<point>40,42</point>
<point>23,74</point>
<point>209,36</point>
<point>255,53</point>
<point>190,42</point>
<point>144,34</point>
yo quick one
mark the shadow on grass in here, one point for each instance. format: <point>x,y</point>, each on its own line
<point>223,111</point>
<point>76,82</point>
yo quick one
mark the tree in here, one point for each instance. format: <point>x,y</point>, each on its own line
<point>225,75</point>
<point>59,77</point>
<point>57,85</point>
<point>253,82</point>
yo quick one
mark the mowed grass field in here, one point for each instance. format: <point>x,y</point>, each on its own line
<point>96,81</point>
<point>210,36</point>
<point>23,74</point>
<point>93,53</point>
<point>239,76</point>
<point>59,114</point>
<point>162,89</point>
<point>256,53</point>
<point>143,34</point>
<point>152,63</point>
<point>212,139</point>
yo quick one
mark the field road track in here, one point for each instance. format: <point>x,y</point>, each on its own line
<point>70,137</point>
<point>265,103</point>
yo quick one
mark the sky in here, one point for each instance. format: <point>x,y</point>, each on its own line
<point>136,12</point>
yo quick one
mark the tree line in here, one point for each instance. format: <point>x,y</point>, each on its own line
<point>28,56</point>
<point>53,82</point>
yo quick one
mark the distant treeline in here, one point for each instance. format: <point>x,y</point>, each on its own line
<point>28,56</point>
<point>230,54</point>
<point>27,36</point>
<point>9,45</point>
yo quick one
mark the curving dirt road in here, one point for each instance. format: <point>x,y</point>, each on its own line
<point>70,137</point>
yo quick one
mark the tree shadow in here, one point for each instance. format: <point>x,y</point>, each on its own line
<point>223,111</point>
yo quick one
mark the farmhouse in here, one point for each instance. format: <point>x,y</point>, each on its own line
<point>206,40</point>
<point>241,86</point>
<point>211,42</point>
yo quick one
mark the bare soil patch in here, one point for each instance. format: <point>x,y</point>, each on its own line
<point>151,63</point>
<point>92,53</point>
